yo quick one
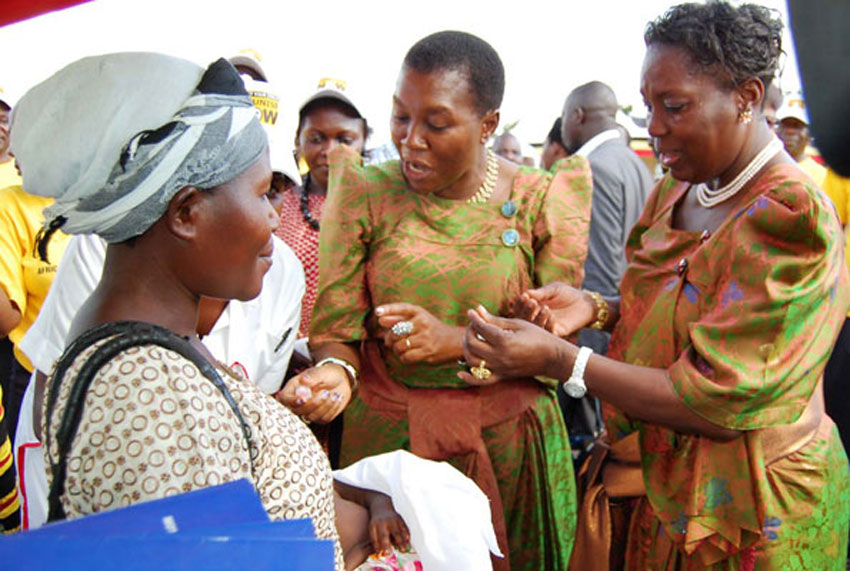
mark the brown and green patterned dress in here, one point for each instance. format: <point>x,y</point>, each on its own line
<point>744,321</point>
<point>381,243</point>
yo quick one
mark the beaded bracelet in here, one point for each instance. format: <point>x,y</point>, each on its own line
<point>601,309</point>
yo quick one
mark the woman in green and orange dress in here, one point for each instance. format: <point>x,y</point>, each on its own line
<point>735,292</point>
<point>406,249</point>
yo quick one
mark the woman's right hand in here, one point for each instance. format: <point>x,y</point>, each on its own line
<point>318,394</point>
<point>556,307</point>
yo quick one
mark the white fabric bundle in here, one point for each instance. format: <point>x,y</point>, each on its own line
<point>447,514</point>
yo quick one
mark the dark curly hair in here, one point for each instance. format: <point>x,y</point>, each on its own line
<point>745,42</point>
<point>450,51</point>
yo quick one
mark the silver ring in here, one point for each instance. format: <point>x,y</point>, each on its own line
<point>402,328</point>
<point>480,337</point>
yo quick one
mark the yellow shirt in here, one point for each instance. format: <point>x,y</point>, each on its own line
<point>9,174</point>
<point>24,278</point>
<point>815,170</point>
<point>838,189</point>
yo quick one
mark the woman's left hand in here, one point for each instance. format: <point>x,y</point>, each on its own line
<point>508,348</point>
<point>429,340</point>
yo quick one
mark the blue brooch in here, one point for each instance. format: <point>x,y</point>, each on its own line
<point>510,237</point>
<point>509,209</point>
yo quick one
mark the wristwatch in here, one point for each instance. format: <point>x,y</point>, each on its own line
<point>575,386</point>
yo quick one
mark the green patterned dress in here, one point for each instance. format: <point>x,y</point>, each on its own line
<point>744,321</point>
<point>381,243</point>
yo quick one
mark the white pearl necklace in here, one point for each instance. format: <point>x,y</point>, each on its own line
<point>709,198</point>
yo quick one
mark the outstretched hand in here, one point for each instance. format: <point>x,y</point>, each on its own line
<point>318,394</point>
<point>509,348</point>
<point>556,307</point>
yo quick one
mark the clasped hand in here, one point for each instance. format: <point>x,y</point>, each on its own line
<point>318,394</point>
<point>524,346</point>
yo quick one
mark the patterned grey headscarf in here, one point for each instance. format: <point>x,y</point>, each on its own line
<point>113,138</point>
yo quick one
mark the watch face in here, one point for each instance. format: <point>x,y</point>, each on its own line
<point>575,389</point>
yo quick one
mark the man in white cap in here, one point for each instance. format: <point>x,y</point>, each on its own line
<point>792,126</point>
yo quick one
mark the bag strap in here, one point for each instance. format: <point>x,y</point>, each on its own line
<point>126,334</point>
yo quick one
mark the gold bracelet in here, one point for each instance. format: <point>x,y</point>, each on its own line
<point>349,369</point>
<point>601,309</point>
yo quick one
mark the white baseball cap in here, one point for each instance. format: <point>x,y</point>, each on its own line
<point>793,109</point>
<point>329,88</point>
<point>276,122</point>
<point>282,153</point>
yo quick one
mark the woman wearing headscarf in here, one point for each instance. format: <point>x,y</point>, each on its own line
<point>168,163</point>
<point>255,336</point>
<point>734,295</point>
<point>406,248</point>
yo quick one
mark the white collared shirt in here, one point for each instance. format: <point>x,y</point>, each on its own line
<point>597,140</point>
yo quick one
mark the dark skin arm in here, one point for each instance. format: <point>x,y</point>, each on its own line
<point>10,315</point>
<point>431,341</point>
<point>563,310</point>
<point>320,394</point>
<point>386,527</point>
<point>518,348</point>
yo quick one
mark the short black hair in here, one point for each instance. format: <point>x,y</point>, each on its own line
<point>468,54</point>
<point>744,41</point>
<point>554,135</point>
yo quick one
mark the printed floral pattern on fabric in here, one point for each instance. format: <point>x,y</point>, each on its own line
<point>734,328</point>
<point>393,560</point>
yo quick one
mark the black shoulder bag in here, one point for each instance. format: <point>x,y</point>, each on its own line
<point>126,334</point>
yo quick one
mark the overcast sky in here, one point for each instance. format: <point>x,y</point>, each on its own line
<point>548,47</point>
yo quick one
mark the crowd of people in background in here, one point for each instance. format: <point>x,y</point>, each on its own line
<point>639,359</point>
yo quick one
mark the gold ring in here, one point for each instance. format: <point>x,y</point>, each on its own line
<point>407,342</point>
<point>481,372</point>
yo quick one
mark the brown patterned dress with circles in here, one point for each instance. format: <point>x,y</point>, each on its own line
<point>154,426</point>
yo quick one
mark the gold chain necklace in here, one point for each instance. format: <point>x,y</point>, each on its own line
<point>489,185</point>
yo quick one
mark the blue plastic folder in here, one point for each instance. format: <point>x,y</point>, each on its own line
<point>221,527</point>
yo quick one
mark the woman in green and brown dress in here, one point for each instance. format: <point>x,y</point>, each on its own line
<point>406,248</point>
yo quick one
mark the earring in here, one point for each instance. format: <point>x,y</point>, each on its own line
<point>745,116</point>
